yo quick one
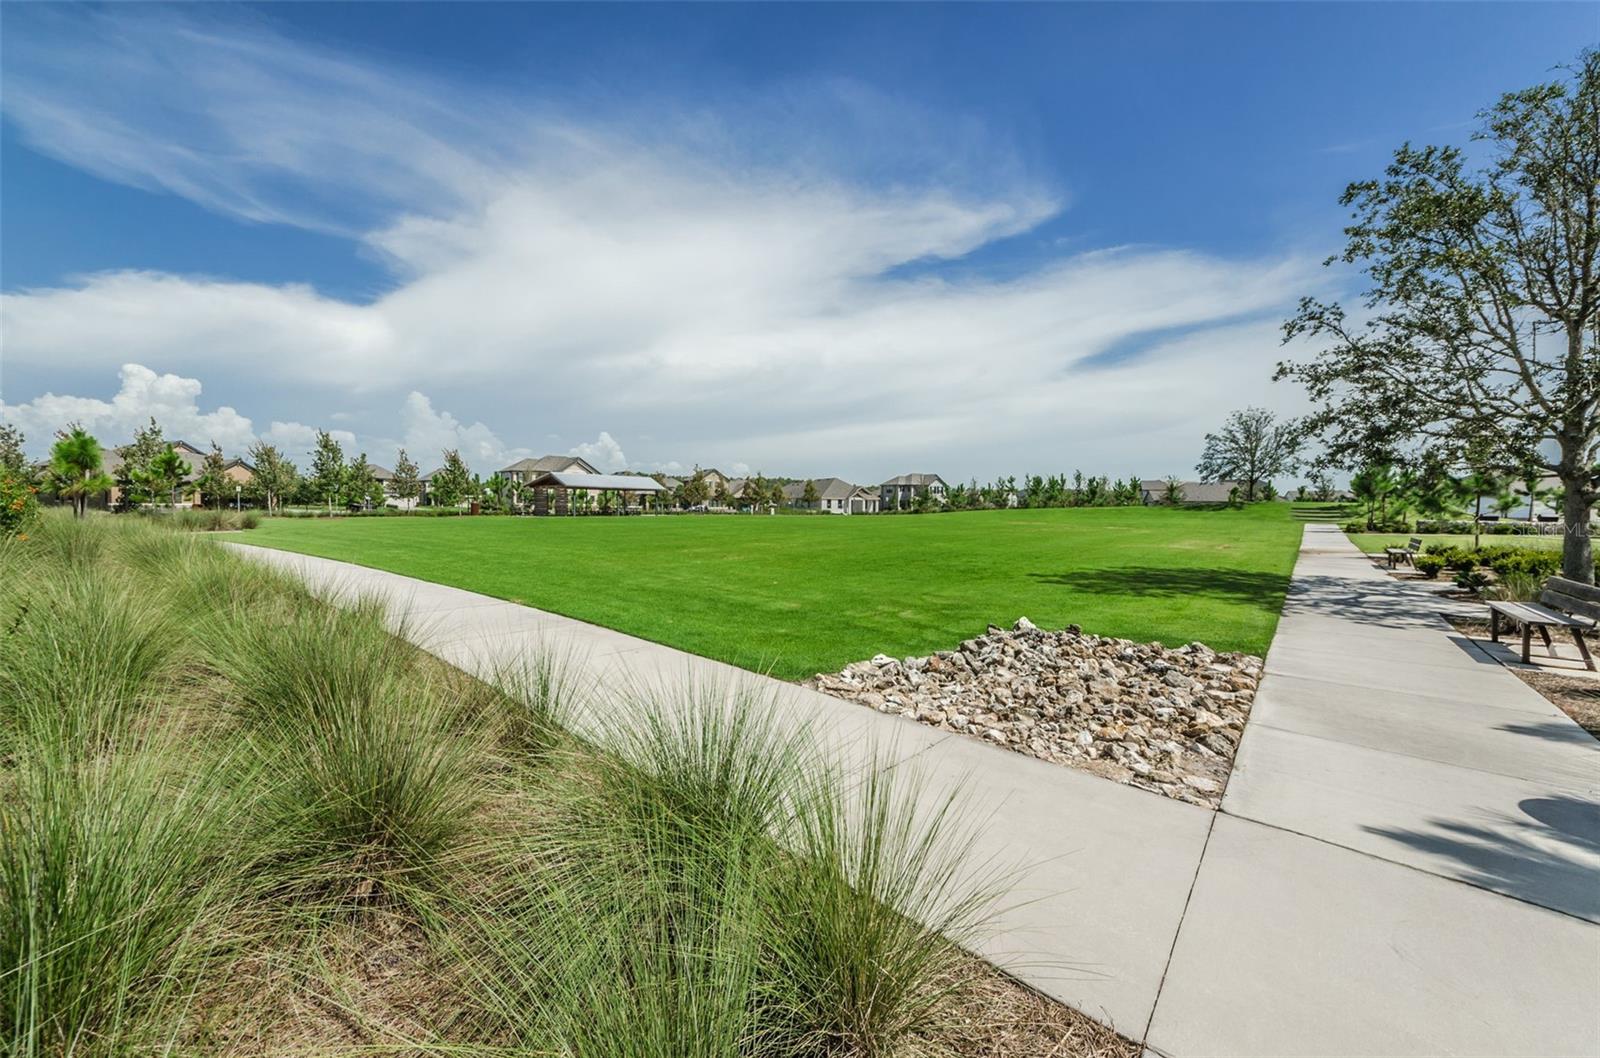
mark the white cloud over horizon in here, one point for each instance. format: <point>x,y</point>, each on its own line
<point>785,316</point>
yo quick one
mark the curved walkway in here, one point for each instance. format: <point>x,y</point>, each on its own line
<point>1399,867</point>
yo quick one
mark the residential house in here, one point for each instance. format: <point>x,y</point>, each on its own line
<point>240,474</point>
<point>1153,491</point>
<point>904,491</point>
<point>111,463</point>
<point>834,496</point>
<point>525,470</point>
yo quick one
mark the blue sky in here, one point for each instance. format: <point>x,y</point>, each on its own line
<point>829,239</point>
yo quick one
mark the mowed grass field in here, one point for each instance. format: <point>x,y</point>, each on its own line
<point>1374,543</point>
<point>794,596</point>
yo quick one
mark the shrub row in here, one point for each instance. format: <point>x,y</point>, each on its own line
<point>1505,560</point>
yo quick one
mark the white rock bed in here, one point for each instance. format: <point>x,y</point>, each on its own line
<point>1166,720</point>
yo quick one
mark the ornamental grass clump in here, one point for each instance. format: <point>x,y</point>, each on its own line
<point>371,777</point>
<point>632,924</point>
<point>706,885</point>
<point>84,656</point>
<point>865,920</point>
<point>117,877</point>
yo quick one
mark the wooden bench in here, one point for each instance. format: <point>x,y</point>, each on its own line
<point>1403,555</point>
<point>1562,604</point>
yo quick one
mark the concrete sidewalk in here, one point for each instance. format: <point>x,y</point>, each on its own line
<point>1408,855</point>
<point>1405,863</point>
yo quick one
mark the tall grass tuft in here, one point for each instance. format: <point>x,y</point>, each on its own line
<point>372,776</point>
<point>630,926</point>
<point>706,887</point>
<point>528,701</point>
<point>84,656</point>
<point>864,924</point>
<point>114,882</point>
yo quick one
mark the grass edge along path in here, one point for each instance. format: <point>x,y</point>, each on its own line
<point>797,596</point>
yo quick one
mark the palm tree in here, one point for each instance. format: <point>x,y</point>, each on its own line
<point>75,468</point>
<point>1505,501</point>
<point>1531,482</point>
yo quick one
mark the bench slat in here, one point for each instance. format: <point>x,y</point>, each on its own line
<point>1560,600</point>
<point>1534,614</point>
<point>1589,593</point>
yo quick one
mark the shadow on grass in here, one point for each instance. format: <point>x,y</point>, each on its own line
<point>1263,590</point>
<point>1546,853</point>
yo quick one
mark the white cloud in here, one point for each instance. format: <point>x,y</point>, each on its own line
<point>732,308</point>
<point>171,399</point>
<point>428,433</point>
<point>603,453</point>
<point>297,440</point>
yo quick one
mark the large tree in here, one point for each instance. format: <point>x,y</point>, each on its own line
<point>275,477</point>
<point>166,473</point>
<point>76,472</point>
<point>695,490</point>
<point>12,458</point>
<point>1469,270</point>
<point>361,485</point>
<point>451,482</point>
<point>213,480</point>
<point>1252,447</point>
<point>327,479</point>
<point>406,485</point>
<point>133,476</point>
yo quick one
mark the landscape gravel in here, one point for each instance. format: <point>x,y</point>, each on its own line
<point>1164,719</point>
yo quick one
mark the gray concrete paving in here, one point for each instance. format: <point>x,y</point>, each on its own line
<point>1407,860</point>
<point>1293,946</point>
<point>1424,751</point>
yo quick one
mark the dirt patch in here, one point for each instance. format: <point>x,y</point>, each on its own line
<point>1576,696</point>
<point>996,1016</point>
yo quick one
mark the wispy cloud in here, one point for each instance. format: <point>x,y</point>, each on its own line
<point>684,279</point>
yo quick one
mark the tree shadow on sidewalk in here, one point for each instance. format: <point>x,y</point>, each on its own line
<point>1547,854</point>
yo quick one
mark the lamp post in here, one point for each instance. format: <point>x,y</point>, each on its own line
<point>237,489</point>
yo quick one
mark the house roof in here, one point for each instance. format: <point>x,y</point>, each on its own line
<point>380,472</point>
<point>614,482</point>
<point>1193,491</point>
<point>827,489</point>
<point>915,479</point>
<point>549,463</point>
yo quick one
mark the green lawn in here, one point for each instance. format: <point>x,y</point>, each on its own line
<point>797,596</point>
<point>1374,543</point>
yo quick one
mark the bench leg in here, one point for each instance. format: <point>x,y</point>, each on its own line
<point>1544,634</point>
<point>1527,644</point>
<point>1494,626</point>
<point>1583,649</point>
